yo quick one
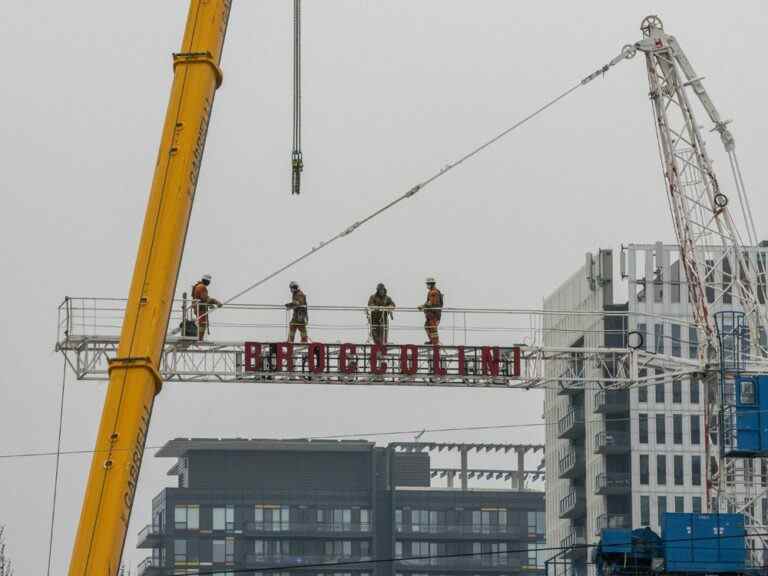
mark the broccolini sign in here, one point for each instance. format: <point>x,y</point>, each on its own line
<point>317,359</point>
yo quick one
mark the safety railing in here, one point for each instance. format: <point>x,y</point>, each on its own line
<point>612,483</point>
<point>612,521</point>
<point>605,442</point>
<point>459,529</point>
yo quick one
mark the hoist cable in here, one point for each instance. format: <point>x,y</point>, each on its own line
<point>297,160</point>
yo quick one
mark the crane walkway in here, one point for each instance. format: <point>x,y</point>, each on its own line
<point>480,347</point>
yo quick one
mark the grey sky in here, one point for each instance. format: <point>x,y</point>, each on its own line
<point>393,90</point>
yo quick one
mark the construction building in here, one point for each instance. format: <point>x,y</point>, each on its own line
<point>621,456</point>
<point>332,507</point>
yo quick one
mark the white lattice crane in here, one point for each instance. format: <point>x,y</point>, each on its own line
<point>710,239</point>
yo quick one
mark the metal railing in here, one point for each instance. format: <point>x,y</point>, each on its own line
<point>611,400</point>
<point>613,482</point>
<point>569,503</point>
<point>612,521</point>
<point>147,564</point>
<point>573,418</point>
<point>311,527</point>
<point>568,462</point>
<point>254,559</point>
<point>458,529</point>
<point>611,441</point>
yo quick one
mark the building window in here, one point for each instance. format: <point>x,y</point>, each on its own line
<point>186,517</point>
<point>676,347</point>
<point>661,507</point>
<point>677,391</point>
<point>645,510</point>
<point>224,551</point>
<point>642,388</point>
<point>694,390</point>
<point>659,388</point>
<point>536,525</point>
<point>677,428</point>
<point>180,551</point>
<point>661,469</point>
<point>398,549</point>
<point>343,548</point>
<point>536,556</point>
<point>659,339</point>
<point>644,474</point>
<point>679,503</point>
<point>642,329</point>
<point>336,519</point>
<point>399,520</point>
<point>224,518</point>
<point>643,422</point>
<point>661,429</point>
<point>489,520</point>
<point>763,474</point>
<point>695,429</point>
<point>365,520</point>
<point>693,342</point>
<point>696,470</point>
<point>696,504</point>
<point>764,509</point>
<point>678,472</point>
<point>271,518</point>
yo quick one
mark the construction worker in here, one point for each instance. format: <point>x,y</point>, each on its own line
<point>433,309</point>
<point>379,312</point>
<point>300,317</point>
<point>203,303</point>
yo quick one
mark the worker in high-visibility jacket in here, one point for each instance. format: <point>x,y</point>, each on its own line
<point>433,310</point>
<point>300,316</point>
<point>203,303</point>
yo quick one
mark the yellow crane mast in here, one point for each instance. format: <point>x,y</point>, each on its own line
<point>134,379</point>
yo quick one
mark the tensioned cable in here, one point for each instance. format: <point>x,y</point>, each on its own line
<point>58,458</point>
<point>626,53</point>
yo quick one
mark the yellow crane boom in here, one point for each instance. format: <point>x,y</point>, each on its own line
<point>134,379</point>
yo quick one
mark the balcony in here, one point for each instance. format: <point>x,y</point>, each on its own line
<point>284,560</point>
<point>572,424</point>
<point>150,537</point>
<point>611,443</point>
<point>613,483</point>
<point>451,531</point>
<point>309,529</point>
<point>572,506</point>
<point>575,543</point>
<point>612,401</point>
<point>571,465</point>
<point>612,521</point>
<point>500,561</point>
<point>149,567</point>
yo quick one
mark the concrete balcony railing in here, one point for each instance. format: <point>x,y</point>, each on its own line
<point>571,464</point>
<point>572,424</point>
<point>572,506</point>
<point>611,442</point>
<point>612,521</point>
<point>612,483</point>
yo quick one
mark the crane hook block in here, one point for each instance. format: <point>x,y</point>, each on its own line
<point>297,164</point>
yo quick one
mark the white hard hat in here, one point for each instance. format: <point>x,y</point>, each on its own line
<point>430,280</point>
<point>207,277</point>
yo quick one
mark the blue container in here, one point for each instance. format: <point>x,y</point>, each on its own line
<point>704,543</point>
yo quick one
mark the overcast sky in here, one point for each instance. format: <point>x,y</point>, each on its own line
<point>393,90</point>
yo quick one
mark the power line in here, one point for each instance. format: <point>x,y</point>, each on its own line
<point>58,458</point>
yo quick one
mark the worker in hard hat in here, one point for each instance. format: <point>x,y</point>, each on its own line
<point>433,309</point>
<point>379,311</point>
<point>203,303</point>
<point>300,316</point>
